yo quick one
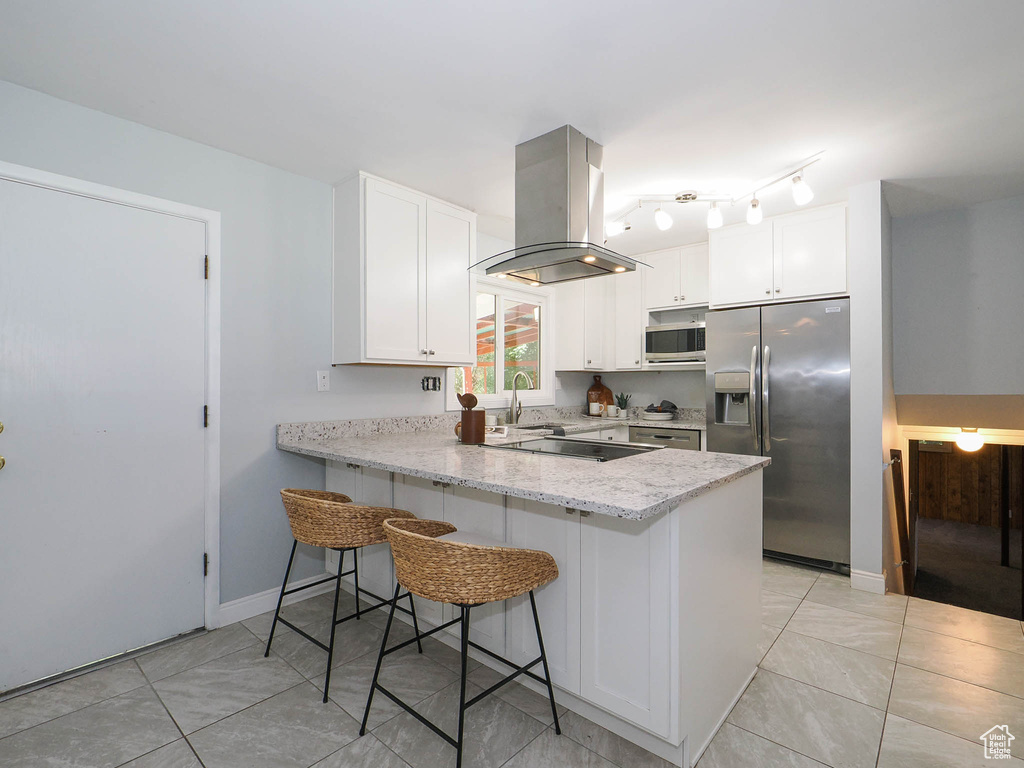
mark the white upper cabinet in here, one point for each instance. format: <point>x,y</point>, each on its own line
<point>661,279</point>
<point>741,264</point>
<point>678,277</point>
<point>800,255</point>
<point>583,311</point>
<point>451,244</point>
<point>402,289</point>
<point>693,275</point>
<point>810,253</point>
<point>629,321</point>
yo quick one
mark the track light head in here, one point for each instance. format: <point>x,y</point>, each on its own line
<point>754,212</point>
<point>662,220</point>
<point>802,192</point>
<point>714,216</point>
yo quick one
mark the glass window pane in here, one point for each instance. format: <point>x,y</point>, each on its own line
<point>480,379</point>
<point>522,341</point>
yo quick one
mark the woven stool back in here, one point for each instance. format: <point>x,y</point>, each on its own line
<point>325,519</point>
<point>463,574</point>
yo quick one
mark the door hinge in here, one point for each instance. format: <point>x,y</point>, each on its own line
<point>206,268</point>
<point>206,563</point>
<point>206,416</point>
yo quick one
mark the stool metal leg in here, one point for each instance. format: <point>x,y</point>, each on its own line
<point>334,624</point>
<point>380,659</point>
<point>415,623</point>
<point>355,577</point>
<point>462,689</point>
<point>544,661</point>
<point>280,598</point>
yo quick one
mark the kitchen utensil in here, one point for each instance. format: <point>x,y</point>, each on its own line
<point>468,400</point>
<point>471,429</point>
<point>599,393</point>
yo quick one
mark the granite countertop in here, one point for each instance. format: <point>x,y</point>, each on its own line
<point>586,423</point>
<point>635,487</point>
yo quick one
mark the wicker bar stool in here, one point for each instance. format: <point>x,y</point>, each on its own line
<point>333,521</point>
<point>435,562</point>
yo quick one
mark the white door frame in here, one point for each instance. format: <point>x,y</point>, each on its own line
<point>211,219</point>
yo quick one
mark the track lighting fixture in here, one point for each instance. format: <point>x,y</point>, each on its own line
<point>714,216</point>
<point>754,212</point>
<point>802,193</point>
<point>662,220</point>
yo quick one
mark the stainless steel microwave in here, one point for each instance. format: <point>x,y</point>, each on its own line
<point>679,343</point>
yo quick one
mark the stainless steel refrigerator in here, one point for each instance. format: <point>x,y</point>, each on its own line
<point>778,385</point>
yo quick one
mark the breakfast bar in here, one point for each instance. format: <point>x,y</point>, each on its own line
<point>652,626</point>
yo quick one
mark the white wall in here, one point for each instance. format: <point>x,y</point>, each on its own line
<point>872,404</point>
<point>958,279</point>
<point>276,312</point>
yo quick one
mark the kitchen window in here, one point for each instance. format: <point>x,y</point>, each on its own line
<point>512,335</point>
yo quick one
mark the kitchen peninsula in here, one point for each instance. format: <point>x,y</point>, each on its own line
<point>651,628</point>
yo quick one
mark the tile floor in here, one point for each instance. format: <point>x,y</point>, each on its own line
<point>847,679</point>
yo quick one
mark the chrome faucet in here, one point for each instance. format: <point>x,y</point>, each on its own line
<point>516,408</point>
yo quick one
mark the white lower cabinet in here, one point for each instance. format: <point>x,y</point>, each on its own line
<point>365,486</point>
<point>555,530</point>
<point>469,509</point>
<point>425,499</point>
<point>626,663</point>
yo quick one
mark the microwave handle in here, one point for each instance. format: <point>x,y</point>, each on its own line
<point>752,397</point>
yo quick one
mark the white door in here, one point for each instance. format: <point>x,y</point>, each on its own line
<point>741,264</point>
<point>693,271</point>
<point>102,386</point>
<point>629,321</point>
<point>661,280</point>
<point>810,253</point>
<point>451,248</point>
<point>395,266</point>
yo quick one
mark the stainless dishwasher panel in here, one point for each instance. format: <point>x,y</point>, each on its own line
<point>686,439</point>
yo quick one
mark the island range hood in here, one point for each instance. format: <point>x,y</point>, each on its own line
<point>559,214</point>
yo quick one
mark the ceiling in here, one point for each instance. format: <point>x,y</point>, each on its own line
<point>926,94</point>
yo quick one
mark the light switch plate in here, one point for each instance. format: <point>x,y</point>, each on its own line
<point>323,381</point>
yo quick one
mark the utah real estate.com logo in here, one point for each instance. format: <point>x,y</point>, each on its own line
<point>997,742</point>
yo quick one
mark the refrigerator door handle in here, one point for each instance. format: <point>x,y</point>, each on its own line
<point>765,411</point>
<point>751,399</point>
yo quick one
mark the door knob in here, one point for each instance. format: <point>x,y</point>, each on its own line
<point>778,290</point>
<point>423,351</point>
<point>768,292</point>
<point>675,298</point>
<point>431,352</point>
<point>682,298</point>
<point>636,362</point>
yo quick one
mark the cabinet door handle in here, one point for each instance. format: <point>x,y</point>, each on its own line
<point>768,292</point>
<point>3,462</point>
<point>682,298</point>
<point>589,362</point>
<point>431,352</point>
<point>636,362</point>
<point>423,351</point>
<point>675,298</point>
<point>778,290</point>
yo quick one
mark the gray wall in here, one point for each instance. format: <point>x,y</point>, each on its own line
<point>276,312</point>
<point>958,282</point>
<point>872,404</point>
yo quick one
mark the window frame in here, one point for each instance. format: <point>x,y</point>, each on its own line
<point>545,393</point>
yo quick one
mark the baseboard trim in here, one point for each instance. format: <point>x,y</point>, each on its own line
<point>866,581</point>
<point>246,607</point>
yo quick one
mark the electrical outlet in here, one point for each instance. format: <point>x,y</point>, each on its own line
<point>323,381</point>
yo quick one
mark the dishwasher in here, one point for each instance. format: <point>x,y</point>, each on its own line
<point>687,439</point>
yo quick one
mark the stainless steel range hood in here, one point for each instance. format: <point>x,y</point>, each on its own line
<point>559,214</point>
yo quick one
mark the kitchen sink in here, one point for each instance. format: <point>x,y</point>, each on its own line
<point>558,429</point>
<point>578,448</point>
